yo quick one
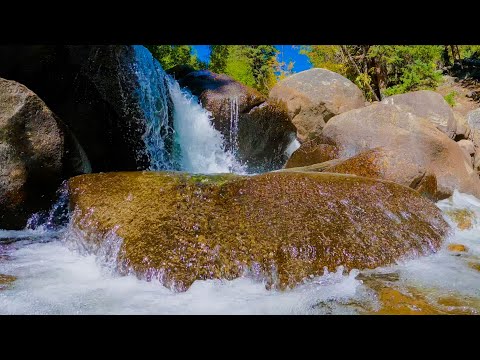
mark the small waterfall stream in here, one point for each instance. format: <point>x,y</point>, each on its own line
<point>153,97</point>
<point>233,125</point>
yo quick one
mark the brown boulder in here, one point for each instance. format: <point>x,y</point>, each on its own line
<point>413,149</point>
<point>311,152</point>
<point>314,96</point>
<point>462,128</point>
<point>468,149</point>
<point>429,105</point>
<point>31,154</point>
<point>281,227</point>
<point>380,163</point>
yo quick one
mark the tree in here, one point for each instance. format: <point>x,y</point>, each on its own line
<point>218,58</point>
<point>171,55</point>
<point>381,70</point>
<point>252,65</point>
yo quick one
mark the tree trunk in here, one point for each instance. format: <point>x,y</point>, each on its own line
<point>349,56</point>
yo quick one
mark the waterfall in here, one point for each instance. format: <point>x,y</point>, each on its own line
<point>189,143</point>
<point>233,125</point>
<point>153,97</point>
<point>201,146</point>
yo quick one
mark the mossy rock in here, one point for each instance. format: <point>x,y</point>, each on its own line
<point>282,227</point>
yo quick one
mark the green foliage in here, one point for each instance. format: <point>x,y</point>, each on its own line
<point>218,58</point>
<point>238,65</point>
<point>171,55</point>
<point>469,51</point>
<point>409,68</point>
<point>252,65</point>
<point>450,98</point>
<point>381,69</point>
<point>326,57</point>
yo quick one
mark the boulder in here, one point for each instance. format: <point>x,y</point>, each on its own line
<point>413,149</point>
<point>257,131</point>
<point>429,105</point>
<point>473,119</point>
<point>314,96</point>
<point>468,149</point>
<point>311,152</point>
<point>380,163</point>
<point>264,135</point>
<point>462,128</point>
<point>35,155</point>
<point>96,91</point>
<point>279,227</point>
<point>476,159</point>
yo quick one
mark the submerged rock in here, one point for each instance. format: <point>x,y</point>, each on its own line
<point>457,248</point>
<point>314,96</point>
<point>6,281</point>
<point>282,227</point>
<point>463,218</point>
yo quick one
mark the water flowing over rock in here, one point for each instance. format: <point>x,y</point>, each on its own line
<point>281,227</point>
<point>199,147</point>
<point>257,131</point>
<point>429,105</point>
<point>110,96</point>
<point>314,96</point>
<point>413,150</point>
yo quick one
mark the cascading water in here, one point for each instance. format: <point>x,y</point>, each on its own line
<point>189,142</point>
<point>233,125</point>
<point>153,97</point>
<point>201,146</point>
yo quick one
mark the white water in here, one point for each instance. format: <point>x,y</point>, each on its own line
<point>197,146</point>
<point>52,278</point>
<point>234,122</point>
<point>201,145</point>
<point>152,95</point>
<point>294,145</point>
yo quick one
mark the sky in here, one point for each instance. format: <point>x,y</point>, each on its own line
<point>287,53</point>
